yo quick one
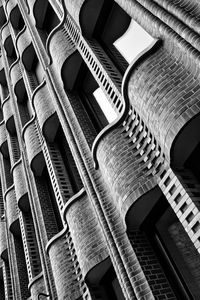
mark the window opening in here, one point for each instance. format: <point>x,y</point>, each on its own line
<point>105,105</point>
<point>175,251</point>
<point>133,41</point>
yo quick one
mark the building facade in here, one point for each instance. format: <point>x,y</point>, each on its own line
<point>94,209</point>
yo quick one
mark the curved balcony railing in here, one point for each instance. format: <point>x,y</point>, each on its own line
<point>3,241</point>
<point>34,151</point>
<point>81,219</point>
<point>169,108</point>
<point>3,140</point>
<point>66,281</point>
<point>7,40</point>
<point>13,13</point>
<point>17,81</point>
<point>12,211</point>
<point>128,169</point>
<point>8,115</point>
<point>45,111</point>
<point>21,189</point>
<point>65,58</point>
<point>37,287</point>
<point>2,72</point>
<point>25,48</point>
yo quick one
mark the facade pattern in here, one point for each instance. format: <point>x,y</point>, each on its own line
<point>89,209</point>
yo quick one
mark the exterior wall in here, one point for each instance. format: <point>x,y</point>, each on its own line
<point>73,200</point>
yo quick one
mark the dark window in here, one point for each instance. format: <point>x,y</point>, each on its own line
<point>111,285</point>
<point>51,20</point>
<point>68,161</point>
<point>91,96</point>
<point>177,254</point>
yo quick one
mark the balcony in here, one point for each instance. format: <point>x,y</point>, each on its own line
<point>13,13</point>
<point>3,140</point>
<point>7,40</point>
<point>25,48</point>
<point>17,80</point>
<point>12,211</point>
<point>34,151</point>
<point>67,285</point>
<point>169,104</point>
<point>8,115</point>
<point>81,219</point>
<point>45,111</point>
<point>37,287</point>
<point>3,241</point>
<point>21,187</point>
<point>2,72</point>
<point>66,59</point>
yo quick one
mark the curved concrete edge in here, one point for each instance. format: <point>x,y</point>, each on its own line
<point>8,190</point>
<point>13,64</point>
<point>65,209</point>
<point>54,31</point>
<point>73,199</point>
<point>16,164</point>
<point>55,238</point>
<point>36,278</point>
<point>27,125</point>
<point>35,92</point>
<point>5,100</point>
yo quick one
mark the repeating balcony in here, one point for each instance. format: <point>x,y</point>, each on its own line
<point>34,151</point>
<point>7,40</point>
<point>2,72</point>
<point>8,115</point>
<point>3,140</point>
<point>45,111</point>
<point>60,256</point>
<point>91,249</point>
<point>66,59</point>
<point>12,211</point>
<point>3,241</point>
<point>13,12</point>
<point>37,287</point>
<point>17,80</point>
<point>20,184</point>
<point>14,151</point>
<point>25,48</point>
<point>169,104</point>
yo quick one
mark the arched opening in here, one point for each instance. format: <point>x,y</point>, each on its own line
<point>94,102</point>
<point>103,283</point>
<point>7,171</point>
<point>163,247</point>
<point>185,145</point>
<point>108,29</point>
<point>21,263</point>
<point>51,214</point>
<point>34,70</point>
<point>122,41</point>
<point>16,19</point>
<point>46,19</point>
